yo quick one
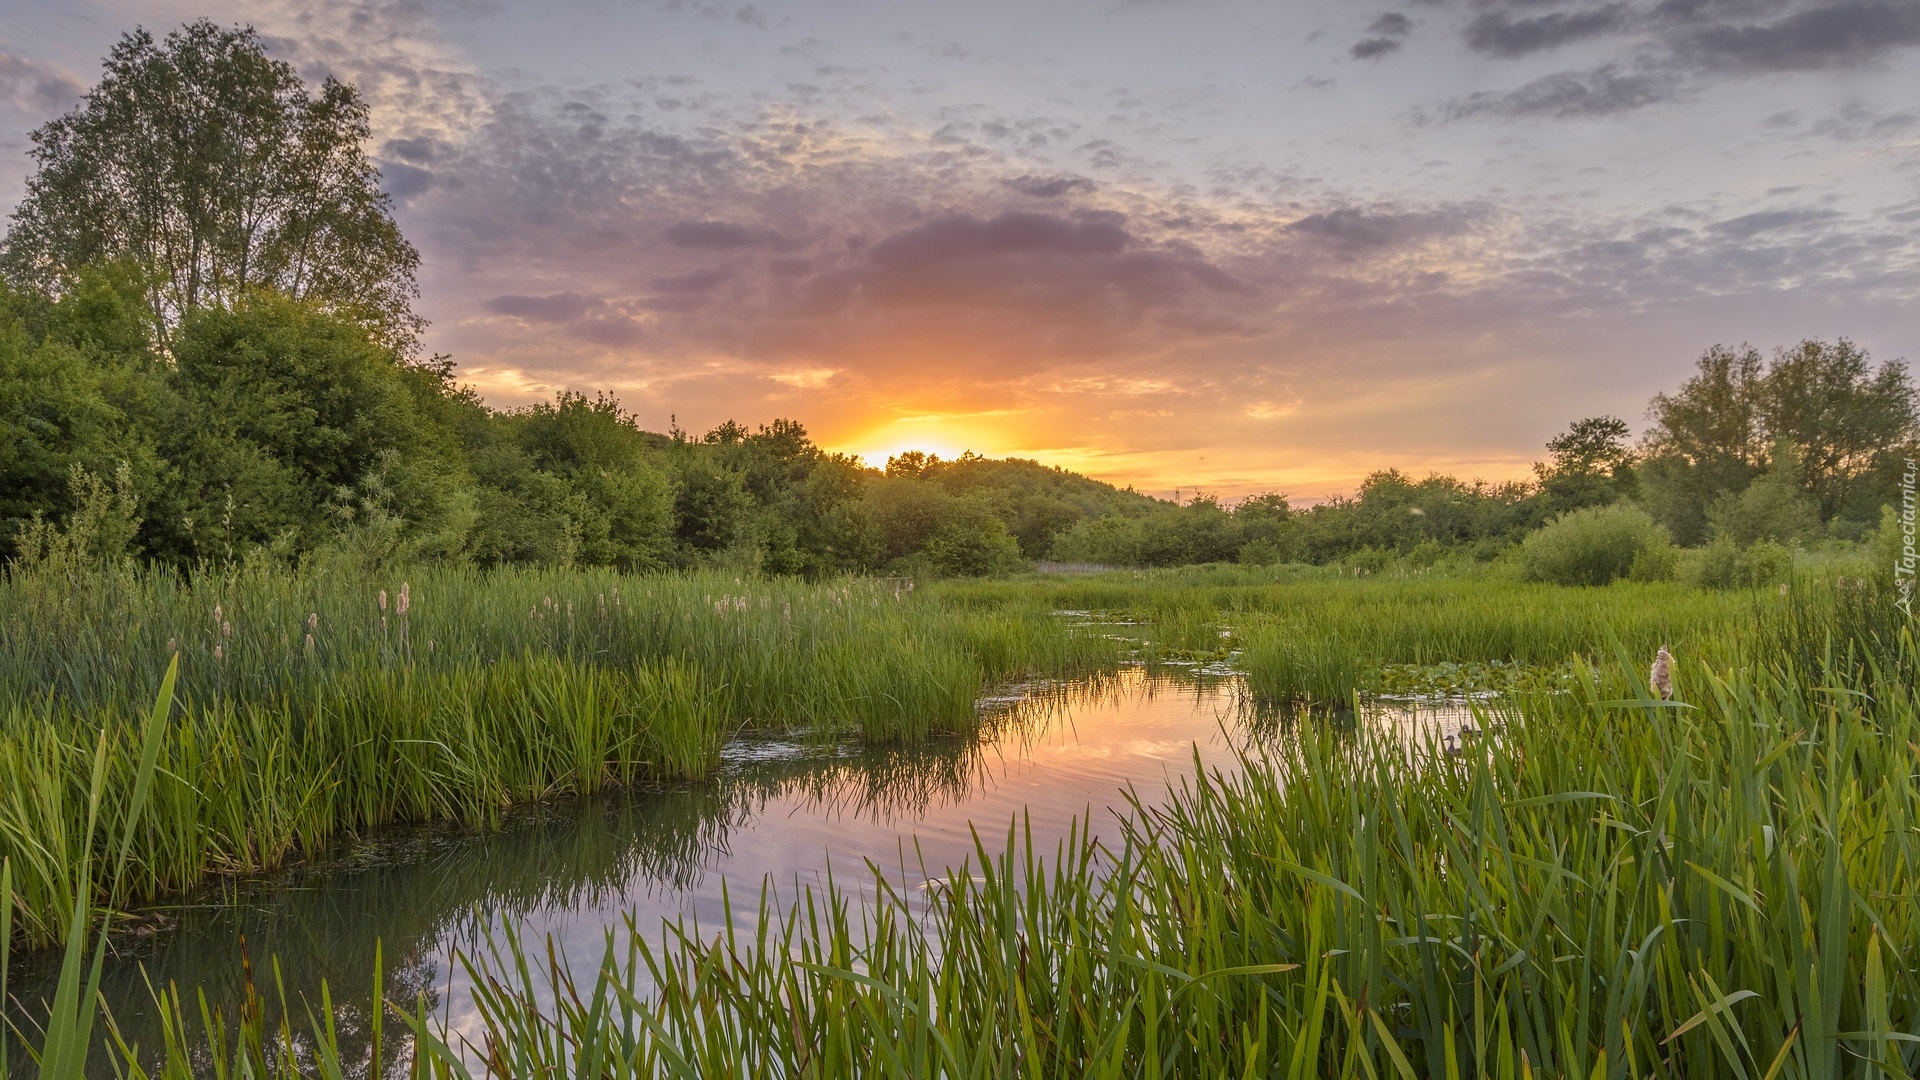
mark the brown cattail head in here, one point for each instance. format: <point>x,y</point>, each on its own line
<point>313,621</point>
<point>1661,677</point>
<point>383,601</point>
<point>406,600</point>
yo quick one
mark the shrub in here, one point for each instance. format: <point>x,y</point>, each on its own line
<point>1659,561</point>
<point>1725,565</point>
<point>1589,547</point>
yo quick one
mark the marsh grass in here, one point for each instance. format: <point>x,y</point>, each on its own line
<point>309,708</point>
<point>1607,885</point>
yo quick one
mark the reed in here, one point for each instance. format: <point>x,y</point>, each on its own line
<point>308,708</point>
<point>1604,885</point>
<point>1609,885</point>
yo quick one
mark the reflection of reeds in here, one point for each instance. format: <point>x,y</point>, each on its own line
<point>305,712</point>
<point>1584,889</point>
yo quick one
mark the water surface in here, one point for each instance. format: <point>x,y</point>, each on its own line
<point>779,814</point>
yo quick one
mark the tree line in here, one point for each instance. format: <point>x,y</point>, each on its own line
<point>208,353</point>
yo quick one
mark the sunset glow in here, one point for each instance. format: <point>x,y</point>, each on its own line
<point>1112,237</point>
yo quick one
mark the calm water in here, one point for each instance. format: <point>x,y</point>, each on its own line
<point>779,815</point>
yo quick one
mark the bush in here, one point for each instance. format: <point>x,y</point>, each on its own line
<point>1659,561</point>
<point>1589,547</point>
<point>1725,565</point>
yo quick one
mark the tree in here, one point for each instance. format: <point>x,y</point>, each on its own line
<point>1774,507</point>
<point>1597,444</point>
<point>210,164</point>
<point>1591,464</point>
<point>287,406</point>
<point>1848,424</point>
<point>1706,440</point>
<point>1847,421</point>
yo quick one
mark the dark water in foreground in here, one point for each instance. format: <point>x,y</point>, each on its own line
<point>779,814</point>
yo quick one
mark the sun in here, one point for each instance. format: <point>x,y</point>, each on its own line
<point>876,445</point>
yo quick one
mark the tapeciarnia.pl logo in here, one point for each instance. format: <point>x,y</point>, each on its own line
<point>1903,567</point>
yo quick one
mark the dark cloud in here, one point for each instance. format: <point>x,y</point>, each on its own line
<point>1373,48</point>
<point>700,262</point>
<point>697,281</point>
<point>1049,187</point>
<point>1603,91</point>
<point>1824,37</point>
<point>1500,34</point>
<point>1357,229</point>
<point>721,236</point>
<point>552,308</point>
<point>578,316</point>
<point>1029,261</point>
<point>1392,24</point>
<point>35,88</point>
<point>1748,226</point>
<point>404,181</point>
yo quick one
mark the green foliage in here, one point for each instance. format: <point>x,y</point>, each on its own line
<point>971,542</point>
<point>1724,564</point>
<point>1591,465</point>
<point>1774,507</point>
<point>1603,884</point>
<point>310,705</point>
<point>1589,547</point>
<point>1848,425</point>
<point>211,166</point>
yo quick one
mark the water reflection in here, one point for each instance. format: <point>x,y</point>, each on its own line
<point>779,814</point>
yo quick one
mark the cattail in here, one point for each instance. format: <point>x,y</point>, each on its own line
<point>1661,677</point>
<point>383,601</point>
<point>217,654</point>
<point>313,621</point>
<point>309,642</point>
<point>406,601</point>
<point>226,629</point>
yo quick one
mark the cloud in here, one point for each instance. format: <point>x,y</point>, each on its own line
<point>1824,37</point>
<point>584,318</point>
<point>697,281</point>
<point>721,236</point>
<point>1601,91</point>
<point>1386,32</point>
<point>1373,48</point>
<point>1678,47</point>
<point>1500,34</point>
<point>1356,229</point>
<point>1392,24</point>
<point>552,308</point>
<point>35,88</point>
<point>1748,226</point>
<point>1049,187</point>
<point>724,261</point>
<point>1094,267</point>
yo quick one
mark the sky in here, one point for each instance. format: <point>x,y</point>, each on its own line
<point>1188,245</point>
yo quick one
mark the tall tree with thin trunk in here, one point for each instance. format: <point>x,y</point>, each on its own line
<point>211,165</point>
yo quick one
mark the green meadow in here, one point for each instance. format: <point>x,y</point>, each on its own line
<point>1598,883</point>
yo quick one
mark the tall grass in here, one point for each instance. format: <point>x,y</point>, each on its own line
<point>308,708</point>
<point>1606,885</point>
